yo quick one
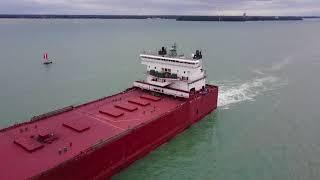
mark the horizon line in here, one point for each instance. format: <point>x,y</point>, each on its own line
<point>49,14</point>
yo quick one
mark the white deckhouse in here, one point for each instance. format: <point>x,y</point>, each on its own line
<point>173,74</point>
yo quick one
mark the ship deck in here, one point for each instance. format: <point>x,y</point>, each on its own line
<point>33,147</point>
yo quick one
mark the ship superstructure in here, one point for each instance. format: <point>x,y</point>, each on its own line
<point>173,74</point>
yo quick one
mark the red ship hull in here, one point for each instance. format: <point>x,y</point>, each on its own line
<point>106,158</point>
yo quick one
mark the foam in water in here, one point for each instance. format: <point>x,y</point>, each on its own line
<point>279,65</point>
<point>276,66</point>
<point>238,92</point>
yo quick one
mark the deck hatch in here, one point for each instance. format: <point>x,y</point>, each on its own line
<point>46,136</point>
<point>76,125</point>
<point>28,143</point>
<point>139,101</point>
<point>126,106</point>
<point>44,133</point>
<point>111,112</point>
<point>150,97</point>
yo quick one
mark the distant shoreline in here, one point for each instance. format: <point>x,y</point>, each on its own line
<point>176,17</point>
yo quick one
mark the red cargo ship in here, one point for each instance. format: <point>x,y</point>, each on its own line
<point>99,138</point>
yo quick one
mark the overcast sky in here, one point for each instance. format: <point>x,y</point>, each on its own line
<point>174,7</point>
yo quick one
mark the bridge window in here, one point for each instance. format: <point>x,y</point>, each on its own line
<point>184,78</point>
<point>169,60</point>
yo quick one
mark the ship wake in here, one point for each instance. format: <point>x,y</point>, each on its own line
<point>234,92</point>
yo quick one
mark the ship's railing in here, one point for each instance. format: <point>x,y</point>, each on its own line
<point>162,74</point>
<point>52,113</point>
<point>179,56</point>
<point>59,111</point>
